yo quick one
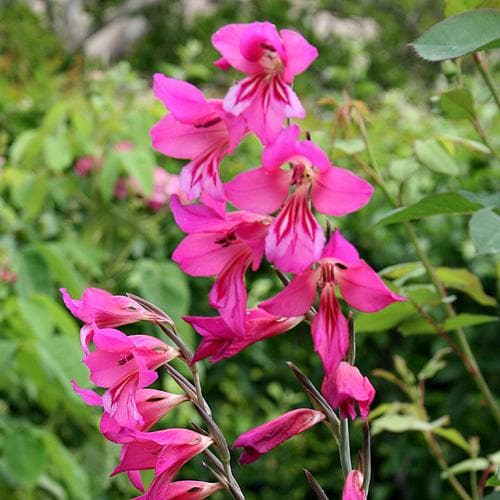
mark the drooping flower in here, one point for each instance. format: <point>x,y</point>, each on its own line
<point>345,387</point>
<point>359,284</point>
<point>224,246</point>
<point>258,441</point>
<point>271,59</point>
<point>101,308</point>
<point>353,486</point>
<point>295,239</point>
<point>220,341</point>
<point>164,451</point>
<point>197,129</point>
<point>163,489</point>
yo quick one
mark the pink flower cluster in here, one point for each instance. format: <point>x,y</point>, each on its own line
<point>124,366</point>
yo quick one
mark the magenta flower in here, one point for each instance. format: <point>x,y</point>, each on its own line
<point>353,486</point>
<point>162,489</point>
<point>123,364</point>
<point>224,246</point>
<point>84,165</point>
<point>105,310</point>
<point>220,341</point>
<point>199,130</point>
<point>164,451</point>
<point>359,284</point>
<point>271,60</point>
<point>295,239</point>
<point>265,437</point>
<point>346,386</point>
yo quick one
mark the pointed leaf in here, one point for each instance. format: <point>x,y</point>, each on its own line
<point>484,228</point>
<point>433,156</point>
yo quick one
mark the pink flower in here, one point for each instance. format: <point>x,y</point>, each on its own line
<point>264,438</point>
<point>105,310</point>
<point>180,490</point>
<point>164,451</point>
<point>124,146</point>
<point>359,284</point>
<point>220,341</point>
<point>353,486</point>
<point>345,387</point>
<point>84,165</point>
<point>224,246</point>
<point>272,60</point>
<point>199,130</point>
<point>124,364</point>
<point>7,275</point>
<point>295,239</point>
<point>165,185</point>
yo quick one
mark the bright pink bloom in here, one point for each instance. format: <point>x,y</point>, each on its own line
<point>264,438</point>
<point>180,490</point>
<point>124,364</point>
<point>84,165</point>
<point>295,239</point>
<point>105,310</point>
<point>197,129</point>
<point>220,341</point>
<point>272,60</point>
<point>224,246</point>
<point>359,284</point>
<point>346,386</point>
<point>164,451</point>
<point>353,486</point>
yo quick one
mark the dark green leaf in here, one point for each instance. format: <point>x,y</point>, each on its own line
<point>433,156</point>
<point>435,204</point>
<point>457,104</point>
<point>484,228</point>
<point>459,35</point>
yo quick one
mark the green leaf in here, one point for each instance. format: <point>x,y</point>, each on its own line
<point>109,174</point>
<point>422,294</point>
<point>7,350</point>
<point>415,327</point>
<point>349,146</point>
<point>464,320</point>
<point>24,455</point>
<point>383,320</point>
<point>433,156</point>
<point>434,365</point>
<point>403,168</point>
<point>459,35</point>
<point>475,146</point>
<point>402,368</point>
<point>435,204</point>
<point>33,273</point>
<point>26,148</point>
<point>35,316</point>
<point>484,229</point>
<point>456,6</point>
<point>453,436</point>
<point>493,481</point>
<point>457,104</point>
<point>465,281</point>
<point>139,164</point>
<point>403,423</point>
<point>57,152</point>
<point>471,464</point>
<point>403,270</point>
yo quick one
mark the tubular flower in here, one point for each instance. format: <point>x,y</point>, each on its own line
<point>353,486</point>
<point>359,284</point>
<point>99,307</point>
<point>258,441</point>
<point>220,341</point>
<point>295,239</point>
<point>199,130</point>
<point>345,387</point>
<point>224,246</point>
<point>271,59</point>
<point>179,490</point>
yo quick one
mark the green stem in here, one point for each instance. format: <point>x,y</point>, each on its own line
<point>482,133</point>
<point>482,66</point>
<point>471,364</point>
<point>344,448</point>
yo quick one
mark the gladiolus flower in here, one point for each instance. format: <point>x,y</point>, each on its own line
<point>353,486</point>
<point>359,284</point>
<point>199,130</point>
<point>346,386</point>
<point>258,441</point>
<point>295,239</point>
<point>220,341</point>
<point>179,490</point>
<point>105,310</point>
<point>272,60</point>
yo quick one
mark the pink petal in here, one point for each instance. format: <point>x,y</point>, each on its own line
<point>186,102</point>
<point>299,54</point>
<point>329,330</point>
<point>259,190</point>
<point>315,155</point>
<point>337,191</point>
<point>362,288</point>
<point>89,396</point>
<point>227,41</point>
<point>256,36</point>
<point>338,248</point>
<point>353,486</point>
<point>295,239</point>
<point>265,437</point>
<point>297,298</point>
<point>162,488</point>
<point>283,149</point>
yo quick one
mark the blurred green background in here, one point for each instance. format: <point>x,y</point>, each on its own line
<point>75,81</point>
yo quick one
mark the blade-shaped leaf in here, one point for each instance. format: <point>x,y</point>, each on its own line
<point>433,156</point>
